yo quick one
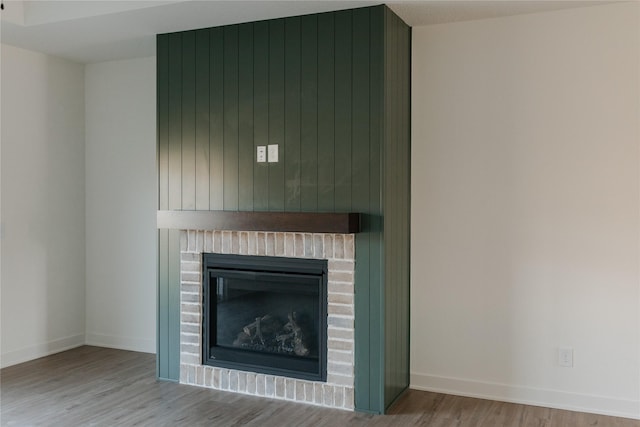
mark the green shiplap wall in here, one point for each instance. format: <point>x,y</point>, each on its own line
<point>397,205</point>
<point>321,86</point>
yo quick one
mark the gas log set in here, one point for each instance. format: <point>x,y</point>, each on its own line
<point>269,333</point>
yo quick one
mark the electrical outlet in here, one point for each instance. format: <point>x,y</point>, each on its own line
<point>262,153</point>
<point>565,357</point>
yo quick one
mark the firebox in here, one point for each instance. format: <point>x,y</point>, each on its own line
<point>265,314</point>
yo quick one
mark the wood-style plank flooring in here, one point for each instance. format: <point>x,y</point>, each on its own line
<point>91,386</point>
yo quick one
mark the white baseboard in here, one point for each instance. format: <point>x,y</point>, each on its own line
<point>526,395</point>
<point>142,345</point>
<point>40,350</point>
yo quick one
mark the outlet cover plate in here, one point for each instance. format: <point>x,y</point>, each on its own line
<point>272,153</point>
<point>565,357</point>
<point>261,154</point>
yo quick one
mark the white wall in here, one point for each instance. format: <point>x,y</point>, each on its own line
<point>121,204</point>
<point>526,210</point>
<point>42,188</point>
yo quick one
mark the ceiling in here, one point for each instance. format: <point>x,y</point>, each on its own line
<point>89,31</point>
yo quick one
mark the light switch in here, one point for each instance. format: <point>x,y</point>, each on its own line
<point>262,154</point>
<point>273,153</point>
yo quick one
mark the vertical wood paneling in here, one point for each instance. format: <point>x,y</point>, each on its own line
<point>403,160</point>
<point>332,90</point>
<point>292,94</point>
<point>276,112</point>
<point>326,127</point>
<point>396,206</point>
<point>216,119</point>
<point>171,83</point>
<point>163,336</point>
<point>188,120</point>
<point>246,151</point>
<point>342,109</point>
<point>175,122</point>
<point>406,127</point>
<point>375,342</point>
<point>162,83</point>
<point>202,120</point>
<point>173,312</point>
<point>309,114</point>
<point>162,321</point>
<point>361,201</point>
<point>230,70</point>
<point>261,112</point>
<point>360,112</point>
<point>389,206</point>
<point>399,216</point>
<point>406,184</point>
<point>396,370</point>
<point>396,258</point>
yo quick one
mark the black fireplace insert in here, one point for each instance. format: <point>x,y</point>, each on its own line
<point>265,314</point>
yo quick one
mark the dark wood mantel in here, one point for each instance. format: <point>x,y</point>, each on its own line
<point>303,222</point>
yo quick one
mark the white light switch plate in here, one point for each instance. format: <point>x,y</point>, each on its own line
<point>273,153</point>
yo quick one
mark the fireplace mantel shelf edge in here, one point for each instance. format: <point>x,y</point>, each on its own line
<point>301,222</point>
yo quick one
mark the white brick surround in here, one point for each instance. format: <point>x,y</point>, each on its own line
<point>338,249</point>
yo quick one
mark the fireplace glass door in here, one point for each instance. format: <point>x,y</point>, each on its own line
<point>265,314</point>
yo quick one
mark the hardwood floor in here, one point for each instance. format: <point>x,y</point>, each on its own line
<point>91,386</point>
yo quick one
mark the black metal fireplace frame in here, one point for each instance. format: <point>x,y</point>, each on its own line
<point>257,268</point>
